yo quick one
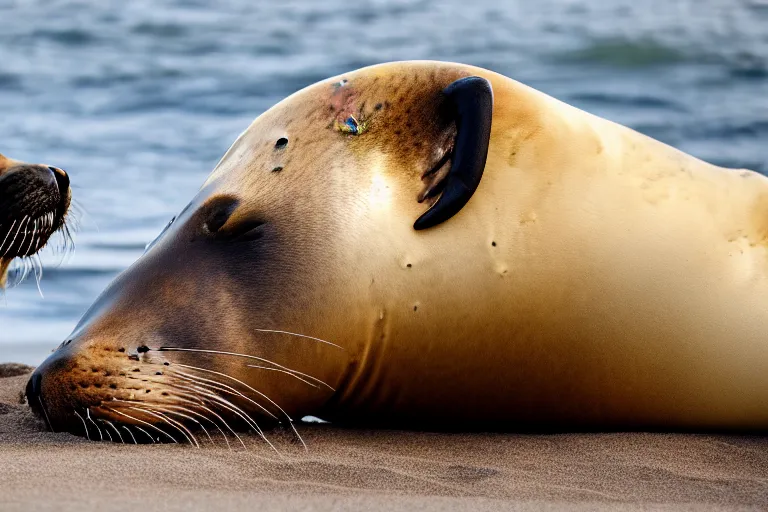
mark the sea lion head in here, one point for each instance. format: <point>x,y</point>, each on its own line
<point>253,303</point>
<point>34,201</point>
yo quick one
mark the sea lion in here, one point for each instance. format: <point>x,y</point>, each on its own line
<point>34,202</point>
<point>428,244</point>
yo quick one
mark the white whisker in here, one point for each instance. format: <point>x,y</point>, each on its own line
<point>13,241</point>
<point>230,389</point>
<point>19,252</point>
<point>170,410</point>
<point>300,336</point>
<point>175,424</point>
<point>108,434</point>
<point>202,406</point>
<point>39,275</point>
<point>47,419</point>
<point>190,418</point>
<point>282,371</point>
<point>198,378</point>
<point>88,416</point>
<point>226,404</point>
<point>131,433</point>
<point>248,356</point>
<point>194,400</point>
<point>145,423</point>
<point>116,431</point>
<point>145,433</point>
<point>2,253</point>
<point>87,434</point>
<point>31,240</point>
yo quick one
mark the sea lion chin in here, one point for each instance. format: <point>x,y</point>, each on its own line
<point>428,244</point>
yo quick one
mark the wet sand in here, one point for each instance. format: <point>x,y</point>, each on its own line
<point>347,469</point>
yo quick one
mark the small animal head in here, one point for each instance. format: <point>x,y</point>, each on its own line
<point>34,201</point>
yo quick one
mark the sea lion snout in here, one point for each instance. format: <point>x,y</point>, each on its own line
<point>44,388</point>
<point>89,384</point>
<point>34,200</point>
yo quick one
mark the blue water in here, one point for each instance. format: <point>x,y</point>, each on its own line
<point>138,99</point>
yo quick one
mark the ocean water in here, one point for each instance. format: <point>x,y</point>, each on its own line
<point>138,100</point>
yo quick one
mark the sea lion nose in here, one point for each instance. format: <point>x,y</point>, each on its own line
<point>61,177</point>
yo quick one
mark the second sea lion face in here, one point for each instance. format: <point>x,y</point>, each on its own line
<point>34,201</point>
<point>238,311</point>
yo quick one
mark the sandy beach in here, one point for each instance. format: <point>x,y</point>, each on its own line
<point>376,470</point>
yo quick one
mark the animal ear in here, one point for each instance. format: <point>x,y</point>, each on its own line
<point>470,103</point>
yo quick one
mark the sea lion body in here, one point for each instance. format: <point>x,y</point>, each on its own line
<point>597,278</point>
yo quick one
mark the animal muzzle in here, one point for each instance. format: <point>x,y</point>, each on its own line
<point>34,200</point>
